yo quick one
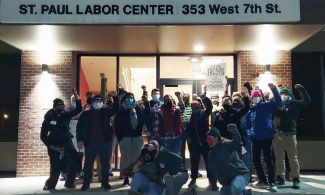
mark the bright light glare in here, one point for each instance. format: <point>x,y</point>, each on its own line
<point>5,116</point>
<point>265,79</point>
<point>198,48</point>
<point>46,46</point>
<point>194,59</point>
<point>266,45</point>
<point>46,91</point>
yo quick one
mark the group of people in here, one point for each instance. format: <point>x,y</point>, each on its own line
<point>226,135</point>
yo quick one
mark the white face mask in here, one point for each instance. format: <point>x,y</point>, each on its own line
<point>98,105</point>
<point>256,100</point>
<point>73,104</point>
<point>286,98</point>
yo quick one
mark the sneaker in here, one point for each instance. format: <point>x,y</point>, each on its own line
<point>73,186</point>
<point>192,183</point>
<point>261,185</point>
<point>126,182</point>
<point>46,188</point>
<point>296,183</point>
<point>84,188</point>
<point>279,181</point>
<point>106,186</point>
<point>273,188</point>
<point>63,177</point>
<point>110,174</point>
<point>199,175</point>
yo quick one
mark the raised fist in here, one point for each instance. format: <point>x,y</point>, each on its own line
<point>178,94</point>
<point>102,75</point>
<point>143,87</point>
<point>119,86</point>
<point>271,85</point>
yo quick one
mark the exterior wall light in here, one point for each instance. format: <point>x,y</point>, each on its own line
<point>267,69</point>
<point>45,68</point>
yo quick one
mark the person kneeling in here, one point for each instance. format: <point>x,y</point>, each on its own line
<point>146,177</point>
<point>225,163</point>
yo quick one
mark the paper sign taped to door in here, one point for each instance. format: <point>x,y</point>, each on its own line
<point>215,77</point>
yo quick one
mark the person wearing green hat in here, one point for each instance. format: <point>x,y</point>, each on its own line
<point>225,164</point>
<point>285,122</point>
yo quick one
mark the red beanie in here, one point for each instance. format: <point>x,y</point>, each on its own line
<point>256,93</point>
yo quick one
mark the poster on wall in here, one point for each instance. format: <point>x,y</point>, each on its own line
<point>215,77</point>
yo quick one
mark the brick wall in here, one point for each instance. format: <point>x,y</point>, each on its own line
<point>37,92</point>
<point>280,71</point>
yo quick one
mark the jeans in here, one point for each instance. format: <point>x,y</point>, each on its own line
<point>113,151</point>
<point>104,150</point>
<point>196,150</point>
<point>266,146</point>
<point>247,156</point>
<point>237,186</point>
<point>172,145</point>
<point>287,143</point>
<point>141,184</point>
<point>183,145</point>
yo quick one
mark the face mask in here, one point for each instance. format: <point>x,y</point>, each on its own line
<point>148,161</point>
<point>60,110</point>
<point>185,98</point>
<point>168,104</point>
<point>256,100</point>
<point>210,141</point>
<point>156,97</point>
<point>109,102</point>
<point>267,98</point>
<point>237,104</point>
<point>89,100</point>
<point>226,107</point>
<point>129,102</point>
<point>73,104</point>
<point>286,98</point>
<point>152,154</point>
<point>196,110</point>
<point>98,105</point>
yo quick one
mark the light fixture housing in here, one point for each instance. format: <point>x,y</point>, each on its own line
<point>267,69</point>
<point>45,68</point>
<point>198,48</point>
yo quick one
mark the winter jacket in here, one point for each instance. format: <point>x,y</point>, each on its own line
<point>169,162</point>
<point>55,127</point>
<point>123,126</point>
<point>231,116</point>
<point>150,119</point>
<point>259,119</point>
<point>224,161</point>
<point>84,125</point>
<point>175,121</point>
<point>199,123</point>
<point>285,118</point>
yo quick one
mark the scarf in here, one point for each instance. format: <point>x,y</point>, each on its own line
<point>133,115</point>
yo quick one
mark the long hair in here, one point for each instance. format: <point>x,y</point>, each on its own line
<point>189,97</point>
<point>124,97</point>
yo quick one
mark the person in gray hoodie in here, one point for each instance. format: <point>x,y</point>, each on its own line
<point>225,163</point>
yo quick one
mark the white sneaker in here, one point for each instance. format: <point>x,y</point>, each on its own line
<point>273,188</point>
<point>260,185</point>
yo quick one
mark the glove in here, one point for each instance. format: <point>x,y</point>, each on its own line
<point>248,86</point>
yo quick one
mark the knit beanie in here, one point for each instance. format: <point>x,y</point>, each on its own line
<point>256,93</point>
<point>287,91</point>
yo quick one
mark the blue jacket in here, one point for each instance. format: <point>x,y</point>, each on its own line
<point>259,119</point>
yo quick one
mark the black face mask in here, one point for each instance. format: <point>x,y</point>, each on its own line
<point>89,100</point>
<point>185,99</point>
<point>109,102</point>
<point>168,104</point>
<point>237,104</point>
<point>267,98</point>
<point>226,107</point>
<point>148,161</point>
<point>152,154</point>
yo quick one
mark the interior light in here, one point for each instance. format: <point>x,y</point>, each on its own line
<point>267,69</point>
<point>5,116</point>
<point>194,59</point>
<point>198,48</point>
<point>45,68</point>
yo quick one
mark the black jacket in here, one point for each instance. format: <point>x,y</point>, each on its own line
<point>285,118</point>
<point>84,125</point>
<point>199,123</point>
<point>231,116</point>
<point>123,127</point>
<point>54,130</point>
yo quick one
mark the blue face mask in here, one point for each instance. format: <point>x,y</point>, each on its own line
<point>73,104</point>
<point>129,102</point>
<point>156,97</point>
